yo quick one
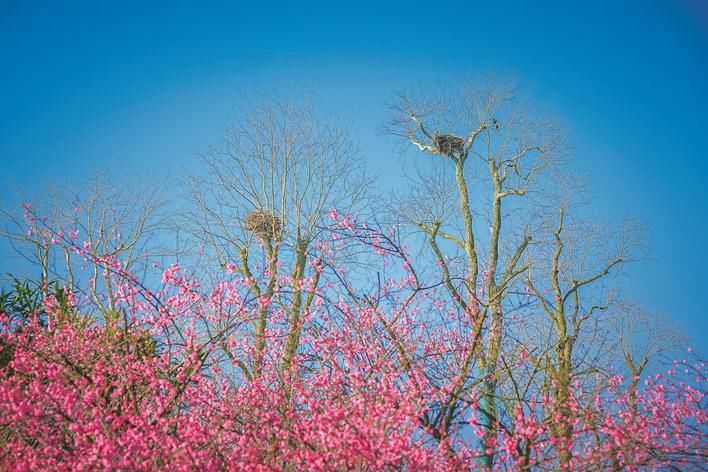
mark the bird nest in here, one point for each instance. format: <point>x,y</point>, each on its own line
<point>448,144</point>
<point>263,224</point>
<point>140,342</point>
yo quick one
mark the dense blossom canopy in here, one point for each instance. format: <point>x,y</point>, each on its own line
<point>166,382</point>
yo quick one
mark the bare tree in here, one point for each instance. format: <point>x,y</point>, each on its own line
<point>642,336</point>
<point>278,172</point>
<point>572,278</point>
<point>114,216</point>
<point>486,143</point>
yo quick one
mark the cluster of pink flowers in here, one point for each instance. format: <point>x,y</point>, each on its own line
<point>78,398</point>
<point>170,385</point>
<point>81,398</point>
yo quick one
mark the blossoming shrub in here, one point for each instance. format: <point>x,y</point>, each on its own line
<point>84,398</point>
<point>79,398</point>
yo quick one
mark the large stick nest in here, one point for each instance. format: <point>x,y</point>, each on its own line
<point>448,144</point>
<point>263,224</point>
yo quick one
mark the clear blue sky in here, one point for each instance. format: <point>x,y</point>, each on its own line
<point>139,86</point>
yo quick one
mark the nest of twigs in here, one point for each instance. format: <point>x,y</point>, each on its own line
<point>140,343</point>
<point>263,224</point>
<point>448,144</point>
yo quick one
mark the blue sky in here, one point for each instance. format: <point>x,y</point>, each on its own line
<point>144,87</point>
